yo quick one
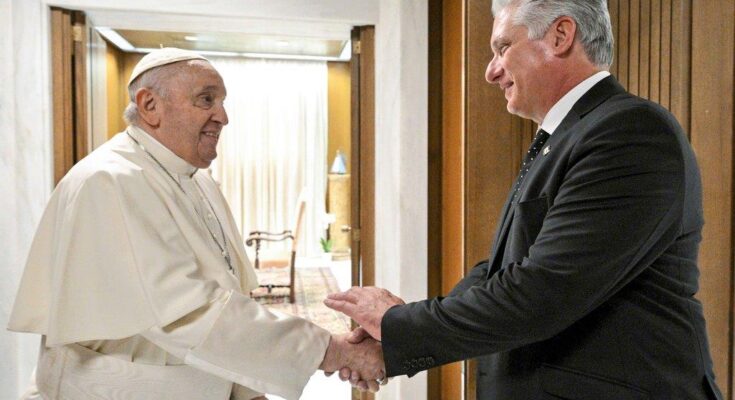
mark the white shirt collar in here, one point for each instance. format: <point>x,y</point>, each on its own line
<point>559,111</point>
<point>166,157</point>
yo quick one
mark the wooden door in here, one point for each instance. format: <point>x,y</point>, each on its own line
<point>363,155</point>
<point>69,83</point>
<point>363,161</point>
<point>447,184</point>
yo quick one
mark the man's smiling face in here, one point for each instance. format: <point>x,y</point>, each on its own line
<point>193,113</point>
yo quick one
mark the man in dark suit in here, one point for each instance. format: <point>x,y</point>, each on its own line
<point>588,292</point>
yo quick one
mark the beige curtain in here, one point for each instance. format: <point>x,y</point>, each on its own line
<point>275,144</point>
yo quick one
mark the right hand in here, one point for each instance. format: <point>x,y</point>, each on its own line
<point>358,358</point>
<point>345,374</point>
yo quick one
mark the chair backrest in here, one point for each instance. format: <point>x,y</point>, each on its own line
<point>298,222</point>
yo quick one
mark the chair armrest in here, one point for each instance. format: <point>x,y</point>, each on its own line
<point>262,233</point>
<point>257,236</point>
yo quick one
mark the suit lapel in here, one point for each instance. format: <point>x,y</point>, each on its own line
<point>598,94</point>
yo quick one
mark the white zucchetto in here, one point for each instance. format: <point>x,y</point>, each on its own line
<point>159,57</point>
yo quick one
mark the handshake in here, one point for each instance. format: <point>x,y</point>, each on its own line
<point>358,356</point>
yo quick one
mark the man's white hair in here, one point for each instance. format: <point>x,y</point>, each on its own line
<point>592,18</point>
<point>156,80</point>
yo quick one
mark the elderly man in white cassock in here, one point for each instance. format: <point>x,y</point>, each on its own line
<point>137,277</point>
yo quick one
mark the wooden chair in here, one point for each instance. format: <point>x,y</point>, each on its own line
<point>283,258</point>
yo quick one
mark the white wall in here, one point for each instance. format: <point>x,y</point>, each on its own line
<point>401,129</point>
<point>401,118</point>
<point>25,169</point>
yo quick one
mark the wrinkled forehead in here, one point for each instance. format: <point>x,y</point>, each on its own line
<point>504,26</point>
<point>201,68</point>
<point>199,74</point>
<point>505,18</point>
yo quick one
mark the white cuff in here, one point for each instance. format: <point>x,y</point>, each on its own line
<point>264,350</point>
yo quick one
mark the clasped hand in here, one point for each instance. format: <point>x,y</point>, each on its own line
<point>358,359</point>
<point>366,306</point>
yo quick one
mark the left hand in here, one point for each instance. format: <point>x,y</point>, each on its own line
<point>366,305</point>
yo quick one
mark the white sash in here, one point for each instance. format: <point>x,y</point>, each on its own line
<point>74,372</point>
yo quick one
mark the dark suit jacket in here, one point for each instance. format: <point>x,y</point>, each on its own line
<point>589,289</point>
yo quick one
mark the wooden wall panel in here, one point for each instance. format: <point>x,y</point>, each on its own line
<point>338,117</point>
<point>633,42</point>
<point>490,136</point>
<point>681,56</point>
<point>116,99</point>
<point>655,51</point>
<point>712,138</point>
<point>644,54</point>
<point>613,7</point>
<point>661,48</point>
<point>119,68</point>
<point>623,44</point>
<point>367,156</point>
<point>664,93</point>
<point>495,143</point>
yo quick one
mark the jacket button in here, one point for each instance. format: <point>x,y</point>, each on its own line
<point>406,366</point>
<point>414,364</point>
<point>422,362</point>
<point>429,361</point>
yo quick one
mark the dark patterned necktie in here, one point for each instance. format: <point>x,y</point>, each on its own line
<point>538,143</point>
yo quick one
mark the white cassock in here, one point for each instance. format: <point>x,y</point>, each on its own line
<point>127,282</point>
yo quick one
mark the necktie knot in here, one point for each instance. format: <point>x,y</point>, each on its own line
<point>537,144</point>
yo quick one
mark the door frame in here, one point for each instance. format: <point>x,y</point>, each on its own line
<point>362,95</point>
<point>70,112</point>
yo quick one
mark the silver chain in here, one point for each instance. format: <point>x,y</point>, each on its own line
<point>222,248</point>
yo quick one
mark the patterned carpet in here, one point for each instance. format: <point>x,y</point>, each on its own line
<point>312,287</point>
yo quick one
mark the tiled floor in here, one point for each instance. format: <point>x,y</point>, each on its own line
<point>320,387</point>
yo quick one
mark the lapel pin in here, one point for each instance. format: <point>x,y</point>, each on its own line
<point>547,149</point>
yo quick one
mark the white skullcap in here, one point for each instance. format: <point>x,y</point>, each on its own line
<point>159,57</point>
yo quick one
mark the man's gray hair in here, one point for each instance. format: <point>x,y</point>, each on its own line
<point>592,18</point>
<point>156,80</point>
